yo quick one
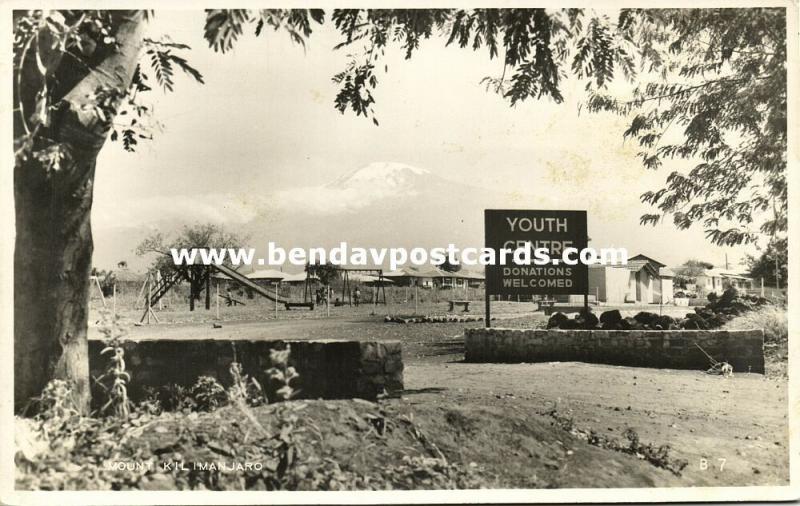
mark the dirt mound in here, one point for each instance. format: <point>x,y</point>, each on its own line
<point>337,445</point>
<point>522,449</point>
<point>394,445</point>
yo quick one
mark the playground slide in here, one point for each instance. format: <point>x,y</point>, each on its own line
<point>241,279</point>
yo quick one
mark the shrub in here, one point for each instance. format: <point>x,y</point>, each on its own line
<point>245,389</point>
<point>114,381</point>
<point>281,374</point>
<point>773,319</point>
<point>208,394</point>
<point>174,397</point>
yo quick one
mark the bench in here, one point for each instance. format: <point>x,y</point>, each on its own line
<point>290,305</point>
<point>464,303</point>
<point>545,305</point>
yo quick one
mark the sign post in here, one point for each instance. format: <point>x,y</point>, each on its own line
<point>554,231</point>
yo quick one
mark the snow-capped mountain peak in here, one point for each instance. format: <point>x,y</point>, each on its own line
<point>377,175</point>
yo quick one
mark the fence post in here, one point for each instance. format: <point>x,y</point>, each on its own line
<point>217,299</point>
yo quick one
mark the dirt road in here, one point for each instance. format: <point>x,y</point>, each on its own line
<point>732,431</point>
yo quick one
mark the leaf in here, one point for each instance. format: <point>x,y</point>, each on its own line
<point>184,65</point>
<point>224,27</point>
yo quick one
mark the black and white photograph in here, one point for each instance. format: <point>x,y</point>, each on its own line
<point>401,253</point>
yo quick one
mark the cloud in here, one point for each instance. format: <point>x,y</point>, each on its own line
<point>355,190</point>
<point>205,208</point>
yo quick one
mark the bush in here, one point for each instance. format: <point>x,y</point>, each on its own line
<point>208,394</point>
<point>773,319</point>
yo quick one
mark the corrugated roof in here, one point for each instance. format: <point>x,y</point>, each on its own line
<point>637,265</point>
<point>716,272</point>
<point>646,258</point>
<point>430,271</point>
<point>366,278</point>
<point>271,274</point>
<point>300,276</point>
<point>427,271</point>
<point>465,274</point>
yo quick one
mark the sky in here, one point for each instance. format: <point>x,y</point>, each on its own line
<point>263,124</point>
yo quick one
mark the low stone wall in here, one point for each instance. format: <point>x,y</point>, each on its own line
<point>743,349</point>
<point>328,369</point>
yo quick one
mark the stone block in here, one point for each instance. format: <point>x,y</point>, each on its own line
<point>642,348</point>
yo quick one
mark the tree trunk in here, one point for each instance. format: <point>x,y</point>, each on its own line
<point>53,248</point>
<point>52,265</point>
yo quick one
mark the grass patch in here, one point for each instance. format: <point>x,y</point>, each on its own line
<point>774,320</point>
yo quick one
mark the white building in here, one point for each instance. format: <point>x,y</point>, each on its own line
<point>642,280</point>
<point>717,280</point>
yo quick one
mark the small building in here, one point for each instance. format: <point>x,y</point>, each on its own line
<point>297,279</point>
<point>642,280</point>
<point>459,279</point>
<point>429,276</point>
<point>609,283</point>
<point>471,279</point>
<point>667,287</point>
<point>266,277</point>
<point>357,278</point>
<point>718,280</point>
<point>414,276</point>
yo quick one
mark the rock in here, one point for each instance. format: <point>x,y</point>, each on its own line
<point>557,320</point>
<point>729,295</point>
<point>665,321</point>
<point>703,312</point>
<point>632,324</point>
<point>590,320</point>
<point>570,325</point>
<point>690,324</point>
<point>612,317</point>
<point>646,318</point>
<point>587,320</point>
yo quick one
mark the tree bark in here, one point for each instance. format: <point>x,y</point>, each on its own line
<point>53,246</point>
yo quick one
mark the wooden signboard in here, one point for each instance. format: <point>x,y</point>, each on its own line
<point>552,230</point>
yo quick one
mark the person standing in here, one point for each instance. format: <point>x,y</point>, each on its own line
<point>356,296</point>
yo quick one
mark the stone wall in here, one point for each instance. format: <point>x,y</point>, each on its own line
<point>743,349</point>
<point>328,369</point>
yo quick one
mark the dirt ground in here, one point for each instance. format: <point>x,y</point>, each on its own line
<point>738,426</point>
<point>731,431</point>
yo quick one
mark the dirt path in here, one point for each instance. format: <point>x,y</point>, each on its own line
<point>741,419</point>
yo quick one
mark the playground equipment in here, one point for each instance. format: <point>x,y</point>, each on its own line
<point>199,279</point>
<point>379,284</point>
